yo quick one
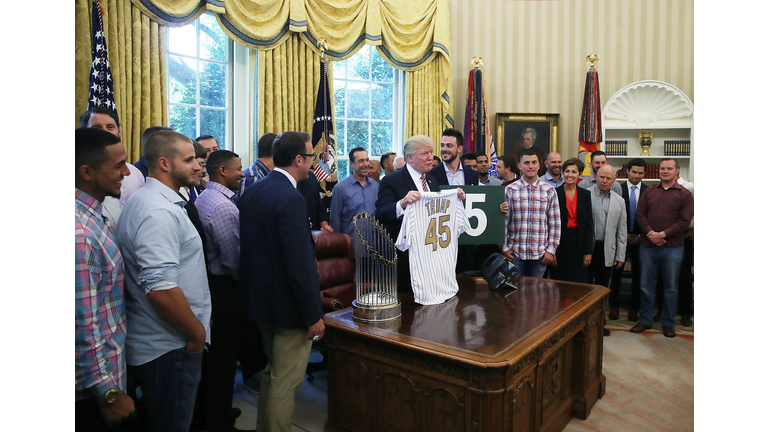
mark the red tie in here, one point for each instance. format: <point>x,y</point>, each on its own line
<point>424,183</point>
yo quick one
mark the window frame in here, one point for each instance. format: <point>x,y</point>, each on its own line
<point>230,66</point>
<point>398,110</point>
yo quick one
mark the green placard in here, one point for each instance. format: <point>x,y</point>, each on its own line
<point>485,218</point>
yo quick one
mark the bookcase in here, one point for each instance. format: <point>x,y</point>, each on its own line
<point>649,106</point>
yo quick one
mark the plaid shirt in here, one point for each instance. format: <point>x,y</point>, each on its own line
<point>99,309</point>
<point>221,225</point>
<point>533,219</point>
<point>253,173</point>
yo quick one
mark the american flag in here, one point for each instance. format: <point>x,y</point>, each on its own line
<point>320,172</point>
<point>100,94</point>
<point>322,128</point>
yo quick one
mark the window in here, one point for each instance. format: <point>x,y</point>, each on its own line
<point>199,63</point>
<point>368,104</point>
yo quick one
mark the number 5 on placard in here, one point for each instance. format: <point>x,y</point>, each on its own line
<point>482,219</point>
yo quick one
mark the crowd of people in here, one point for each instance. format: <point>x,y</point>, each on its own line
<point>187,265</point>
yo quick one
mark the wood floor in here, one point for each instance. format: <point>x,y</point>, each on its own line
<point>649,386</point>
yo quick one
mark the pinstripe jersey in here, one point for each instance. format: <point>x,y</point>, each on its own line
<point>430,232</point>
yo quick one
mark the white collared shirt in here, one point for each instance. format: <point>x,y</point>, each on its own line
<point>416,177</point>
<point>455,179</point>
<point>287,174</point>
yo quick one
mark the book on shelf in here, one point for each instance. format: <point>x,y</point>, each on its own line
<point>677,147</point>
<point>615,147</point>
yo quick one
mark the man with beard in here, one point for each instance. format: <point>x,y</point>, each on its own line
<point>100,324</point>
<point>451,171</point>
<point>554,164</point>
<point>483,167</point>
<point>167,298</point>
<point>106,119</point>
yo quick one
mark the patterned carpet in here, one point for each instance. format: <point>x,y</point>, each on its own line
<point>649,382</point>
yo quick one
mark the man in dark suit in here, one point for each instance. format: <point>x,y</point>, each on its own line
<point>633,186</point>
<point>317,212</point>
<point>403,187</point>
<point>279,270</point>
<point>452,171</point>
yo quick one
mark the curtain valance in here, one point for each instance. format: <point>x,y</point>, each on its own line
<point>407,33</point>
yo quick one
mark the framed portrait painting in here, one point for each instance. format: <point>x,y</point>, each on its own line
<point>516,132</point>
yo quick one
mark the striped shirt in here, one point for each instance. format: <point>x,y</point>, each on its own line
<point>533,219</point>
<point>430,232</point>
<point>221,224</point>
<point>253,173</point>
<point>99,310</point>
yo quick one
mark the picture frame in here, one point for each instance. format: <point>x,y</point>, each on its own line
<point>510,128</point>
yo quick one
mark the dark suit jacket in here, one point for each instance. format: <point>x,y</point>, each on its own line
<point>393,188</point>
<point>316,210</point>
<point>141,164</point>
<point>584,219</point>
<point>470,175</point>
<point>625,195</point>
<point>277,255</point>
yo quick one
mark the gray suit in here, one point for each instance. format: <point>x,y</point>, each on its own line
<point>615,246</point>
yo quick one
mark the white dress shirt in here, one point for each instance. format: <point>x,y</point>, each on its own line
<point>416,177</point>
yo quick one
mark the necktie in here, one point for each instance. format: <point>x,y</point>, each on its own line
<point>424,183</point>
<point>632,208</point>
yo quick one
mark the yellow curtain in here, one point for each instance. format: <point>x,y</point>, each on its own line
<point>177,12</point>
<point>427,102</point>
<point>410,35</point>
<point>136,49</point>
<point>287,86</point>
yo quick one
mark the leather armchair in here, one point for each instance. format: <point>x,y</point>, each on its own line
<point>336,269</point>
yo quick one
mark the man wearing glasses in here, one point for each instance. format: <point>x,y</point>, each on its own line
<point>279,271</point>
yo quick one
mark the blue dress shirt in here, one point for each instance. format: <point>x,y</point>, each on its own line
<point>349,199</point>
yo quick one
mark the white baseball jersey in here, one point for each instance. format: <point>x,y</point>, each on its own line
<point>430,232</point>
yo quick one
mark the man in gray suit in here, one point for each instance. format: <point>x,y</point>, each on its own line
<point>610,216</point>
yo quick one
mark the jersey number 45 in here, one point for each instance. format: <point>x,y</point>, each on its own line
<point>435,232</point>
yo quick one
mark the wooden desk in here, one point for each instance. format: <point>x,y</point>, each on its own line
<point>483,361</point>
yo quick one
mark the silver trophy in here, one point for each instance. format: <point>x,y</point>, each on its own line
<point>375,271</point>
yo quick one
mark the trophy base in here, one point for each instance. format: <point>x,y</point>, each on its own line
<point>645,151</point>
<point>368,313</point>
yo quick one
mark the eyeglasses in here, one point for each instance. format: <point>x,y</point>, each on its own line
<point>202,164</point>
<point>313,156</point>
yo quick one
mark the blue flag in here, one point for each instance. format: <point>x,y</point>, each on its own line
<point>492,170</point>
<point>322,130</point>
<point>100,94</point>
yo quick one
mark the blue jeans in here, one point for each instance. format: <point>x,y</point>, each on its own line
<point>669,261</point>
<point>168,389</point>
<point>529,267</point>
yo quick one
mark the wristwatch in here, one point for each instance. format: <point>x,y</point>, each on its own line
<point>109,397</point>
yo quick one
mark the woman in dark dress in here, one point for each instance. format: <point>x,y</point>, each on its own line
<point>577,238</point>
